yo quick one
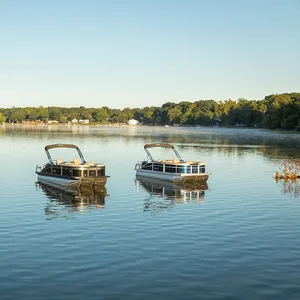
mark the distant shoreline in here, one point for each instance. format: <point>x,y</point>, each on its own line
<point>26,125</point>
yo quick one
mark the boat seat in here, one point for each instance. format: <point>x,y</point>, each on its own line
<point>189,162</point>
<point>76,161</point>
<point>59,161</point>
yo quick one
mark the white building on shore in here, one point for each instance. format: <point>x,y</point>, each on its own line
<point>133,122</point>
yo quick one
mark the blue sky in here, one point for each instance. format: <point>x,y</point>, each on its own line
<point>141,53</point>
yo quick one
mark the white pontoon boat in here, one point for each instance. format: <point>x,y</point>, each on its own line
<point>175,169</point>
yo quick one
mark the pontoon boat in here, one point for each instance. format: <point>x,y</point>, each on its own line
<point>175,169</point>
<point>77,172</point>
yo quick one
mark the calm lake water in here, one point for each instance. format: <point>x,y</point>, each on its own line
<point>236,238</point>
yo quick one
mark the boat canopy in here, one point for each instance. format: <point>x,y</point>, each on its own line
<point>48,147</point>
<point>147,146</point>
<point>158,145</point>
<point>60,146</point>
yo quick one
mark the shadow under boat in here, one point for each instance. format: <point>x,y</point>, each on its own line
<point>165,194</point>
<point>72,199</point>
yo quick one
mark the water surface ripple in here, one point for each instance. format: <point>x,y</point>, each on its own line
<point>236,238</point>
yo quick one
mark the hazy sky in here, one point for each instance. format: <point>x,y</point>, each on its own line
<point>138,53</point>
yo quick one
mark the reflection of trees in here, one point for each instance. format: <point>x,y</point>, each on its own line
<point>290,187</point>
<point>65,202</point>
<point>163,194</point>
<point>290,150</point>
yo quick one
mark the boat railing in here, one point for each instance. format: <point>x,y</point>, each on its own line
<point>38,168</point>
<point>138,165</point>
<point>169,167</point>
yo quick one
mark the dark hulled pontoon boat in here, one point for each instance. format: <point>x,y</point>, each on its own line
<point>77,172</point>
<point>176,169</point>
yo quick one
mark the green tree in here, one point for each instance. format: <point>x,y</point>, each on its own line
<point>87,114</point>
<point>2,118</point>
<point>54,113</point>
<point>43,114</point>
<point>147,115</point>
<point>174,115</point>
<point>127,114</point>
<point>62,119</point>
<point>100,115</point>
<point>17,115</point>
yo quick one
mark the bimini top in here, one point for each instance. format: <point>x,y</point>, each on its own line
<point>48,147</point>
<point>60,146</point>
<point>169,146</point>
<point>158,145</point>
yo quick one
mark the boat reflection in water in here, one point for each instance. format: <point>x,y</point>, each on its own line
<point>66,201</point>
<point>165,194</point>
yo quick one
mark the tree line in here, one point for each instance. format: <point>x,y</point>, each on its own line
<point>276,111</point>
